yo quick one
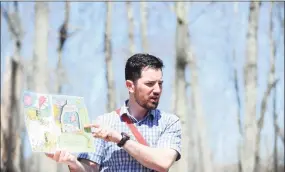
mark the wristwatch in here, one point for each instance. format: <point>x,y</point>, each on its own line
<point>125,138</point>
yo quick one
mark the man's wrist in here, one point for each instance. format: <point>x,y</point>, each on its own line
<point>118,138</point>
<point>125,137</point>
<point>75,166</point>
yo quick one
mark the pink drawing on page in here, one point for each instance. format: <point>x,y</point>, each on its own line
<point>43,102</point>
<point>28,100</point>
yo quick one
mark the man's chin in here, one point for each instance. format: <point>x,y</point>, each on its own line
<point>152,106</point>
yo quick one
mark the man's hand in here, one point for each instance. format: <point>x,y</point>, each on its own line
<point>72,162</point>
<point>63,157</point>
<point>106,133</point>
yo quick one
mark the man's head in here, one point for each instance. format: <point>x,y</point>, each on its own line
<point>143,74</point>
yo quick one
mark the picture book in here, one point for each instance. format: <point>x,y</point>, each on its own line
<point>57,122</point>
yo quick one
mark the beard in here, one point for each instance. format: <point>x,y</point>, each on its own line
<point>146,103</point>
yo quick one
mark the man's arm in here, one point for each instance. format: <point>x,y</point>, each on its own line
<point>84,166</point>
<point>73,164</point>
<point>159,159</point>
<point>167,149</point>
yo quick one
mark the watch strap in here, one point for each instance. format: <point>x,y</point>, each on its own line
<point>124,139</point>
<point>133,128</point>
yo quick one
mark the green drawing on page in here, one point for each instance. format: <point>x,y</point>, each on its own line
<point>56,122</point>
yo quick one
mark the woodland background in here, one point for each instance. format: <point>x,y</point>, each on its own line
<point>224,74</point>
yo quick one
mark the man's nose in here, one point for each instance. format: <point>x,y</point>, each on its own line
<point>157,88</point>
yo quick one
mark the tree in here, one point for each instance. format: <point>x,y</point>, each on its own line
<point>11,118</point>
<point>63,36</point>
<point>180,87</point>
<point>131,27</point>
<point>111,100</point>
<point>271,83</point>
<point>143,15</point>
<point>205,151</point>
<point>40,72</point>
<point>250,81</point>
<point>184,57</point>
<point>237,91</point>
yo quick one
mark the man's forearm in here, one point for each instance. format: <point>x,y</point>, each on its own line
<point>82,167</point>
<point>153,158</point>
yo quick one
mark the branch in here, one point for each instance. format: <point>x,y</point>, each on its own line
<point>13,21</point>
<point>203,11</point>
<point>172,9</point>
<point>63,32</point>
<point>264,103</point>
<point>280,133</point>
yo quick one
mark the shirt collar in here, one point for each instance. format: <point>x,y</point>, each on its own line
<point>124,110</point>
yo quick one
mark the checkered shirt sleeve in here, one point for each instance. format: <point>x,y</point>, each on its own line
<point>99,145</point>
<point>171,137</point>
<point>96,156</point>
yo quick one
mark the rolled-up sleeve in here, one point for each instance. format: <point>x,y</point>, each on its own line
<point>171,137</point>
<point>96,156</point>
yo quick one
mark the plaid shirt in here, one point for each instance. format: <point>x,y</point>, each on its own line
<point>160,130</point>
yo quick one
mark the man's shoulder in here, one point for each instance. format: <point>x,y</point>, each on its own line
<point>167,115</point>
<point>107,116</point>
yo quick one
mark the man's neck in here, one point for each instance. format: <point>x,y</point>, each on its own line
<point>136,110</point>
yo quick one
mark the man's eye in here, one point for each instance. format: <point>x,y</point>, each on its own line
<point>149,84</point>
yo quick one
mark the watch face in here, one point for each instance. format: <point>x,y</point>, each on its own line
<point>125,137</point>
<point>125,134</point>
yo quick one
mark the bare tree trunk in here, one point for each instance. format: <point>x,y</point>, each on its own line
<point>40,81</point>
<point>131,27</point>
<point>143,15</point>
<point>280,8</point>
<point>280,134</point>
<point>180,88</point>
<point>270,79</point>
<point>237,91</point>
<point>12,127</point>
<point>184,56</point>
<point>250,76</point>
<point>238,112</point>
<point>111,100</point>
<point>201,126</point>
<point>271,83</point>
<point>205,152</point>
<point>195,146</point>
<point>275,125</point>
<point>63,35</point>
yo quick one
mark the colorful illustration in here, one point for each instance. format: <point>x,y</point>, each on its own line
<point>56,122</point>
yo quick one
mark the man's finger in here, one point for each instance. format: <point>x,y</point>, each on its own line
<point>96,132</point>
<point>56,155</point>
<point>92,125</point>
<point>62,156</point>
<point>50,155</point>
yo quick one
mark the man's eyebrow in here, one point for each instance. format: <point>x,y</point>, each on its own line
<point>153,81</point>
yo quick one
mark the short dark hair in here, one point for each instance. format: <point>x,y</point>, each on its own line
<point>137,62</point>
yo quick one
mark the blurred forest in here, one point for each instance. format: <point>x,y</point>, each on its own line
<point>224,74</point>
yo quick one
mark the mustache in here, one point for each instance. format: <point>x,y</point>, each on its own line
<point>154,97</point>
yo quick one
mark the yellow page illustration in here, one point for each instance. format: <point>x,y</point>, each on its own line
<point>57,122</point>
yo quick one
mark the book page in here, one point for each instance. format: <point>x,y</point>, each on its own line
<point>70,115</point>
<point>57,122</point>
<point>39,122</point>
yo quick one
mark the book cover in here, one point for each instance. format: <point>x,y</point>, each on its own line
<point>57,122</point>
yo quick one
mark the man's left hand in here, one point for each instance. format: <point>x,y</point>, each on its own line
<point>106,133</point>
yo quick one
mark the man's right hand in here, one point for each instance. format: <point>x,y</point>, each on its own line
<point>64,157</point>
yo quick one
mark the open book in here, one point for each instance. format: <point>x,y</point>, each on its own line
<point>57,122</point>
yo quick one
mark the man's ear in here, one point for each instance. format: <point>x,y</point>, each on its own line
<point>130,85</point>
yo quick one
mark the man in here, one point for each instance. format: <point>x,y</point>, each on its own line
<point>116,147</point>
